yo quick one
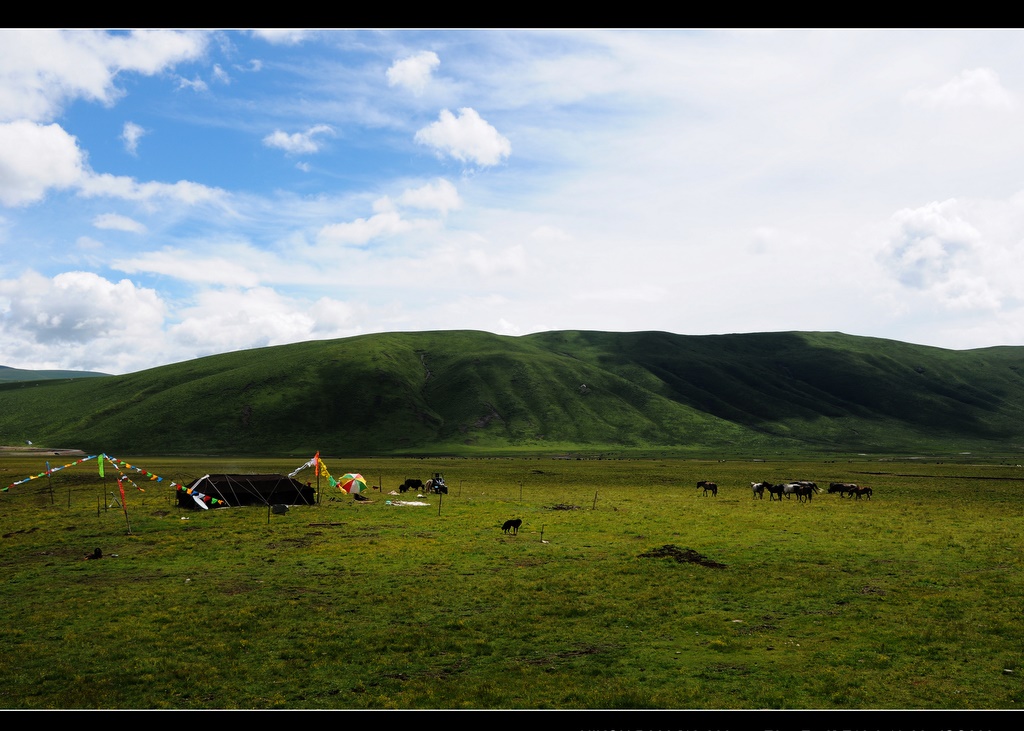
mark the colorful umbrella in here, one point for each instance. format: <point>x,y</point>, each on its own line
<point>352,483</point>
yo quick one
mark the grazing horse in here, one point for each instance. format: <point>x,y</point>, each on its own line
<point>758,488</point>
<point>512,525</point>
<point>708,487</point>
<point>858,491</point>
<point>842,487</point>
<point>773,490</point>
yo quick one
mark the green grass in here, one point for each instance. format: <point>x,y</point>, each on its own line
<point>908,600</point>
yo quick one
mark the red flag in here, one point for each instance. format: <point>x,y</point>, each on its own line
<point>316,463</point>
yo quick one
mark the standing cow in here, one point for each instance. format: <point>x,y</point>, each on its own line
<point>410,484</point>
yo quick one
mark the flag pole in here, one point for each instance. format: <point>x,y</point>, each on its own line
<point>124,505</point>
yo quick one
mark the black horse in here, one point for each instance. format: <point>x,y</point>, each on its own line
<point>842,487</point>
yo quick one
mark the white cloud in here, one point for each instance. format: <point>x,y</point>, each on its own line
<point>439,196</point>
<point>232,319</point>
<point>83,321</point>
<point>413,72</point>
<point>196,84</point>
<point>466,137</point>
<point>298,142</point>
<point>80,320</point>
<point>34,159</point>
<point>508,261</point>
<point>220,75</point>
<point>116,222</point>
<point>972,87</point>
<point>87,243</point>
<point>331,316</point>
<point>183,191</point>
<point>193,267</point>
<point>41,70</point>
<point>927,241</point>
<point>961,254</point>
<point>130,135</point>
<point>363,230</point>
<point>507,328</point>
<point>549,233</point>
<point>282,36</point>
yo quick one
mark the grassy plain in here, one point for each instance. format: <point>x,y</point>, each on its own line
<point>911,599</point>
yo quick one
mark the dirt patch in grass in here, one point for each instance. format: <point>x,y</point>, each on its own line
<point>682,555</point>
<point>291,543</point>
<point>563,506</point>
<point>564,655</point>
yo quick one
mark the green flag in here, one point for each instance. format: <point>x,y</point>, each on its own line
<point>99,461</point>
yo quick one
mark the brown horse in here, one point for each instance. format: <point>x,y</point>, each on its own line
<point>708,487</point>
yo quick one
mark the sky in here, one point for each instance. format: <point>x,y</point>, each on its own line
<point>172,194</point>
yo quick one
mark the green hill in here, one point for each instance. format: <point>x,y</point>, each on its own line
<point>8,374</point>
<point>477,393</point>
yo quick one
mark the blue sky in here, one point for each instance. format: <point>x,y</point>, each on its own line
<point>166,195</point>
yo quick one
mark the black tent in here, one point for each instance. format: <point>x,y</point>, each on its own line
<point>234,490</point>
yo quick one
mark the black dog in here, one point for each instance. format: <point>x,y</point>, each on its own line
<point>512,525</point>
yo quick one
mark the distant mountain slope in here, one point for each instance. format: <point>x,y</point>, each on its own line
<point>459,391</point>
<point>16,374</point>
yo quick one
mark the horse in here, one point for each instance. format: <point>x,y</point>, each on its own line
<point>842,487</point>
<point>512,525</point>
<point>805,491</point>
<point>773,490</point>
<point>708,487</point>
<point>858,491</point>
<point>801,488</point>
<point>758,488</point>
<point>789,489</point>
<point>435,485</point>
